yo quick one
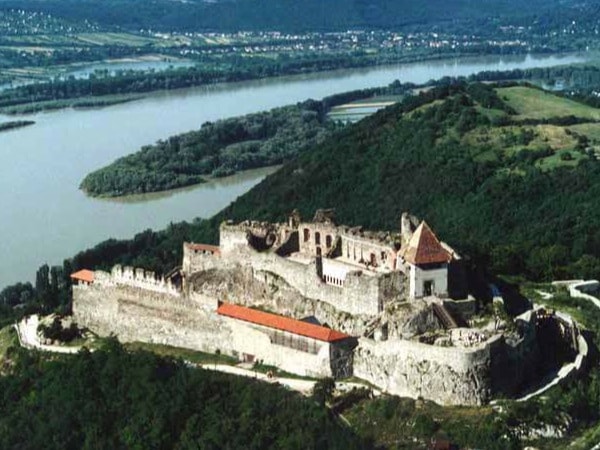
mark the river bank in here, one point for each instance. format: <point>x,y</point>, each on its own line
<point>120,79</point>
<point>42,165</point>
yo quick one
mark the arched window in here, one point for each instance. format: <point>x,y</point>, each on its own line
<point>328,241</point>
<point>318,238</point>
<point>306,234</point>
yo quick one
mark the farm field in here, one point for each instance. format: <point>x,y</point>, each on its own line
<point>532,103</point>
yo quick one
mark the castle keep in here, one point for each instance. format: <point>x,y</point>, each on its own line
<point>319,299</point>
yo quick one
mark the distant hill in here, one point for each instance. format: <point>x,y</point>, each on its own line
<point>285,15</point>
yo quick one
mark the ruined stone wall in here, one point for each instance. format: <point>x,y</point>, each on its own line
<point>232,237</point>
<point>245,286</point>
<point>451,375</point>
<point>446,375</point>
<point>359,294</point>
<point>316,236</point>
<point>198,261</point>
<point>135,314</point>
<point>362,250</point>
<point>515,360</point>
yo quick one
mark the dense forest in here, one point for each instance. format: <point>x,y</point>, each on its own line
<point>218,149</point>
<point>116,399</point>
<point>282,15</point>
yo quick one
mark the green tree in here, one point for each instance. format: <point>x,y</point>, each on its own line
<point>323,390</point>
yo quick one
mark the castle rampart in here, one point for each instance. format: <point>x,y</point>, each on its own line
<point>446,375</point>
<point>399,336</point>
<point>135,277</point>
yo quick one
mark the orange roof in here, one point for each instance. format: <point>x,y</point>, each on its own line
<point>215,250</point>
<point>425,248</point>
<point>84,275</point>
<point>280,323</point>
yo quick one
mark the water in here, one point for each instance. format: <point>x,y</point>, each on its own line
<point>46,218</point>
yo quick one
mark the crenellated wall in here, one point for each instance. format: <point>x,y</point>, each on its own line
<point>135,277</point>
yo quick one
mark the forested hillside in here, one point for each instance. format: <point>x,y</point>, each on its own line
<point>114,399</point>
<point>511,189</point>
<point>518,192</point>
<point>283,15</point>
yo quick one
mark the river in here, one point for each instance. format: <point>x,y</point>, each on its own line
<point>46,218</point>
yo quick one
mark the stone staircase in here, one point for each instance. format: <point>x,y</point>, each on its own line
<point>444,316</point>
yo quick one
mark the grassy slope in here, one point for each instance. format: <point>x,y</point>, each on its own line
<point>537,104</point>
<point>8,338</point>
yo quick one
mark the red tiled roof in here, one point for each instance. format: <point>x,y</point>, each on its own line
<point>215,250</point>
<point>280,323</point>
<point>83,275</point>
<point>425,248</point>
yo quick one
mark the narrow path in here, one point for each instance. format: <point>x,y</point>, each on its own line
<point>303,386</point>
<point>28,338</point>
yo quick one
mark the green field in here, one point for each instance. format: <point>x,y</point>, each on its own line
<point>591,130</point>
<point>536,104</point>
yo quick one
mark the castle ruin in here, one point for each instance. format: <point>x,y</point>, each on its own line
<point>320,299</point>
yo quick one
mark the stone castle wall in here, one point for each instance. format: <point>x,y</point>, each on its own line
<point>263,289</point>
<point>134,313</point>
<point>446,375</point>
<point>451,375</point>
<point>351,297</point>
<point>256,341</point>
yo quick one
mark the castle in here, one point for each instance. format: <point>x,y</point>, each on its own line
<point>319,299</point>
